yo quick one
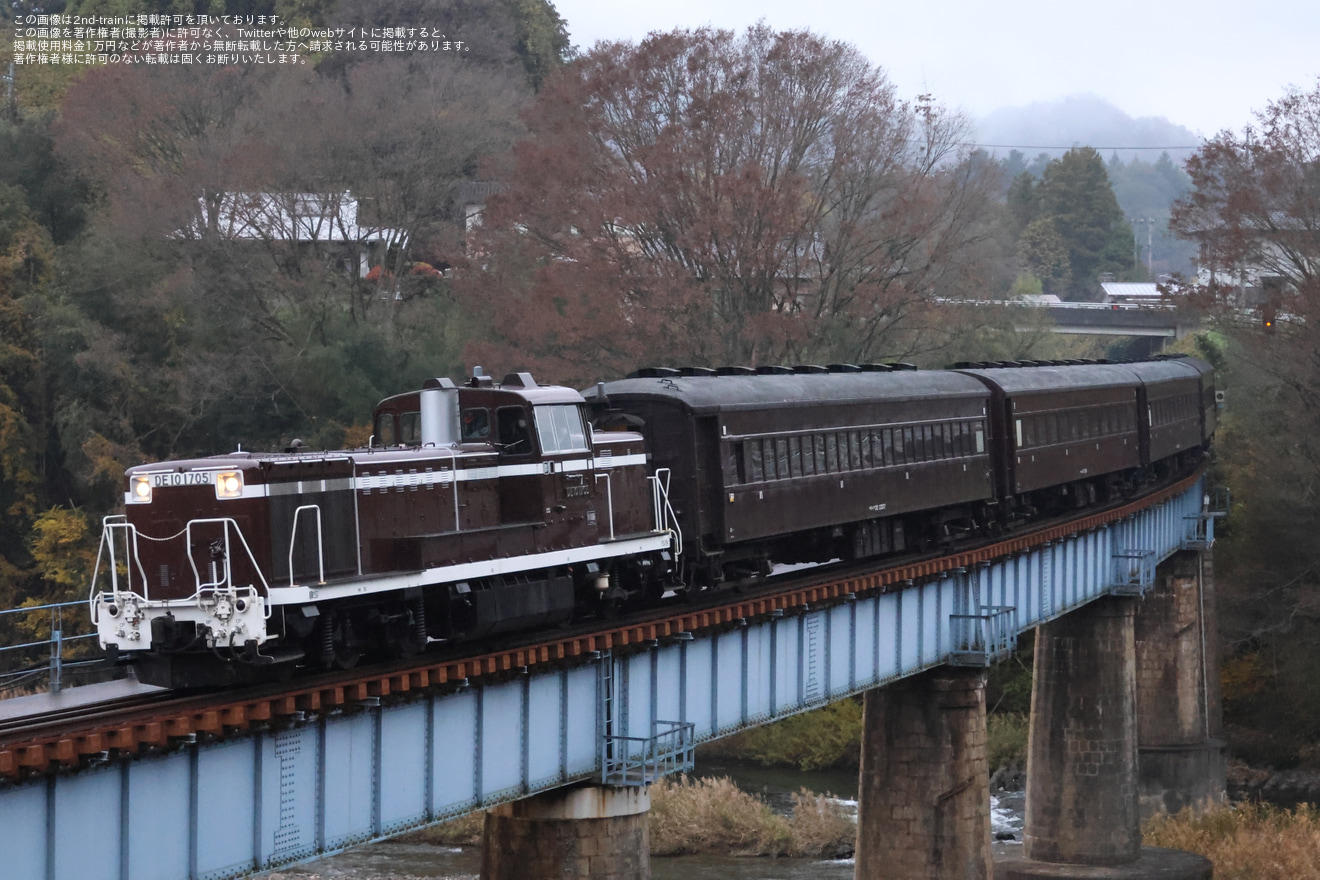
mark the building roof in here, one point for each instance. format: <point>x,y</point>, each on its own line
<point>1127,291</point>
<point>323,217</point>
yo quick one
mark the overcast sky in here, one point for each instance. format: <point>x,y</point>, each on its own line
<point>1205,64</point>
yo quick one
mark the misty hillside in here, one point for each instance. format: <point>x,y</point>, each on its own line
<point>1083,120</point>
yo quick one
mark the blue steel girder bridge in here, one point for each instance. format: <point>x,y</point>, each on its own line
<point>231,785</point>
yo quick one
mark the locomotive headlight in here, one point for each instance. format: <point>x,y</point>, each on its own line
<point>229,484</point>
<point>139,489</point>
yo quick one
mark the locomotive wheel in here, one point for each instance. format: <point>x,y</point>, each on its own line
<point>331,637</point>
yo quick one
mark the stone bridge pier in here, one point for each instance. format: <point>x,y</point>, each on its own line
<point>593,832</point>
<point>924,790</point>
<point>1124,723</point>
<point>1093,693</point>
<point>1179,720</point>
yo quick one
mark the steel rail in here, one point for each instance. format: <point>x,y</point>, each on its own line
<point>66,744</point>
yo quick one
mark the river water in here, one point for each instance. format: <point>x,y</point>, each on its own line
<point>405,861</point>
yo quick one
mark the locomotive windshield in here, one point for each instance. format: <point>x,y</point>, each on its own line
<point>559,428</point>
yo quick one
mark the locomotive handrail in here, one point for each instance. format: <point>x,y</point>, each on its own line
<point>453,471</point>
<point>609,501</point>
<point>108,526</point>
<point>320,544</point>
<point>662,510</point>
<point>226,522</point>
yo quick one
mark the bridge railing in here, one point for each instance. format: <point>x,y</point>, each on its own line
<point>986,638</point>
<point>641,760</point>
<point>17,660</point>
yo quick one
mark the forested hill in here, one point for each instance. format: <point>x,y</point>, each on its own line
<point>1053,127</point>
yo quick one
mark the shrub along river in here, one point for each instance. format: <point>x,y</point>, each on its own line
<point>776,786</point>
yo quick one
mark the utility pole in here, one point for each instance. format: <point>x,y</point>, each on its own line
<point>1150,247</point>
<point>1150,242</point>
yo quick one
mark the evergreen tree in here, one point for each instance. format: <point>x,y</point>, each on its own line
<point>1076,195</point>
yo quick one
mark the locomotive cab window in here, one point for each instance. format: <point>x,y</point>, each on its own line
<point>514,430</point>
<point>410,429</point>
<point>385,433</point>
<point>559,429</point>
<point>476,424</point>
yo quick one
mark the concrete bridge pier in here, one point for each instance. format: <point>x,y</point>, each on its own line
<point>924,792</point>
<point>1082,817</point>
<point>1179,720</point>
<point>593,832</point>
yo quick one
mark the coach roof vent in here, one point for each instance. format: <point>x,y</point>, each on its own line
<point>901,365</point>
<point>875,368</point>
<point>654,373</point>
<point>735,371</point>
<point>774,370</point>
<point>809,368</point>
<point>519,380</point>
<point>695,371</point>
<point>843,368</point>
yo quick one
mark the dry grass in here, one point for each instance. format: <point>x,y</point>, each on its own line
<point>820,826</point>
<point>714,815</point>
<point>1247,842</point>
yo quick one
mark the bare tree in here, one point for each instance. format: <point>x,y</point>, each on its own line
<point>711,198</point>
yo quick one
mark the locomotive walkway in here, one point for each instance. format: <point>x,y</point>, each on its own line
<point>224,785</point>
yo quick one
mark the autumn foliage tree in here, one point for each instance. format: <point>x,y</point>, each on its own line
<point>709,198</point>
<point>1255,210</point>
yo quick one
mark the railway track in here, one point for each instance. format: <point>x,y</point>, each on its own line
<point>92,734</point>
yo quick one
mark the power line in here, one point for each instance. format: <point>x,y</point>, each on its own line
<point>1097,149</point>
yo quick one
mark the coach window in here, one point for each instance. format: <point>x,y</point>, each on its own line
<point>476,425</point>
<point>515,433</point>
<point>781,457</point>
<point>808,456</point>
<point>832,453</point>
<point>768,458</point>
<point>869,449</point>
<point>795,456</point>
<point>855,449</point>
<point>752,461</point>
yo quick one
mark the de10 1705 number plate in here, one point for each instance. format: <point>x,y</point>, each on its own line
<point>190,478</point>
